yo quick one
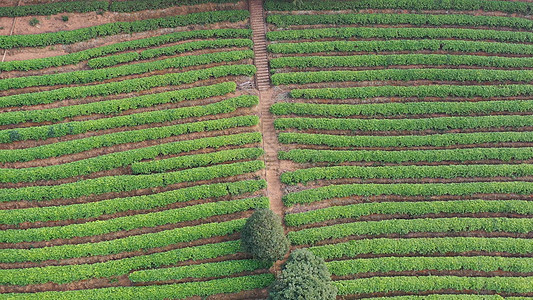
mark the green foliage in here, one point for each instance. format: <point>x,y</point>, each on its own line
<point>136,5</point>
<point>420,91</point>
<point>112,60</point>
<point>158,116</point>
<point>391,156</point>
<point>123,137</point>
<point>70,273</point>
<point>34,22</point>
<point>83,34</point>
<point>407,189</point>
<point>130,157</point>
<point>399,264</point>
<point>404,18</point>
<point>263,236</point>
<point>154,219</point>
<point>400,109</point>
<point>418,208</point>
<point>468,5</point>
<point>303,62</point>
<point>398,33</point>
<point>116,106</point>
<point>64,18</point>
<point>217,269</point>
<point>437,140</point>
<point>304,276</point>
<point>123,183</point>
<point>126,86</point>
<point>439,124</point>
<point>402,45</point>
<point>52,8</point>
<point>405,226</point>
<point>115,205</point>
<point>398,172</point>
<point>435,283</point>
<point>422,246</point>
<point>170,291</point>
<point>460,75</point>
<point>87,76</point>
<point>130,243</point>
<point>76,57</point>
<point>198,160</point>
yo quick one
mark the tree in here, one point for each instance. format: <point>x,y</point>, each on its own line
<point>263,236</point>
<point>304,277</point>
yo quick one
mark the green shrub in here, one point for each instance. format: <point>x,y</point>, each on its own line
<point>64,18</point>
<point>34,22</point>
<point>76,57</point>
<point>304,276</point>
<point>263,236</point>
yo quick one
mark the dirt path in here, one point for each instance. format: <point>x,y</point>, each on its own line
<point>10,32</point>
<point>270,140</point>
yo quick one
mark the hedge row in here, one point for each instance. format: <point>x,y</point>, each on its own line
<point>460,75</point>
<point>126,86</point>
<point>399,172</point>
<point>125,158</point>
<point>158,116</point>
<point>70,273</point>
<point>420,91</point>
<point>434,283</point>
<point>116,205</point>
<point>76,57</point>
<point>399,264</point>
<point>88,76</point>
<point>136,5</point>
<point>303,62</point>
<point>402,45</point>
<point>396,19</point>
<point>124,183</point>
<point>441,123</point>
<point>356,211</point>
<point>434,140</point>
<point>116,106</point>
<point>399,33</point>
<point>107,140</point>
<point>454,5</point>
<point>405,226</point>
<point>423,246</point>
<point>53,8</point>
<point>127,244</point>
<point>108,61</point>
<point>170,291</point>
<point>93,5</point>
<point>192,161</point>
<point>401,109</point>
<point>84,34</point>
<point>147,220</point>
<point>407,156</point>
<point>407,189</point>
<point>217,269</point>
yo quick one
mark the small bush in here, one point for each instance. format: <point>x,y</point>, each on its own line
<point>64,18</point>
<point>263,236</point>
<point>34,22</point>
<point>304,276</point>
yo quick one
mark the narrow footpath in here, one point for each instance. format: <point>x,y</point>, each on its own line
<point>270,140</point>
<point>11,32</point>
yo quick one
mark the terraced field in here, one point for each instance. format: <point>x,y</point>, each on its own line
<point>395,137</point>
<point>132,164</point>
<point>405,133</point>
